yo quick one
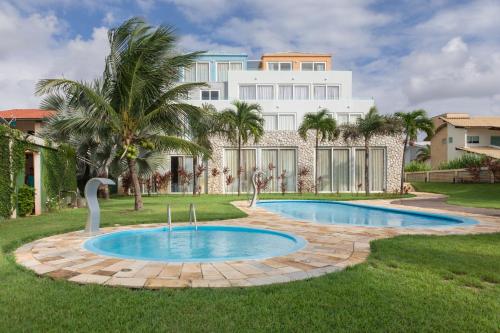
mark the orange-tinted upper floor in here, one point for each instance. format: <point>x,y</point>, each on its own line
<point>296,61</point>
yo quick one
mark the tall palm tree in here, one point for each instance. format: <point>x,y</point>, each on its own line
<point>325,128</point>
<point>424,154</point>
<point>413,122</point>
<point>201,127</point>
<point>241,125</point>
<point>139,99</point>
<point>366,128</point>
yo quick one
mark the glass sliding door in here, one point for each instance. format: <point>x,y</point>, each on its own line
<point>377,167</point>
<point>248,164</point>
<point>287,162</point>
<point>324,172</point>
<point>269,158</point>
<point>359,176</point>
<point>231,163</point>
<point>341,170</point>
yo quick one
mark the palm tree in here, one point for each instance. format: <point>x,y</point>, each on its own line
<point>370,125</point>
<point>424,154</point>
<point>413,122</point>
<point>240,125</point>
<point>201,127</point>
<point>325,128</point>
<point>138,99</point>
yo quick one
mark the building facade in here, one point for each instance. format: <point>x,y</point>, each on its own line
<point>287,86</point>
<point>459,133</point>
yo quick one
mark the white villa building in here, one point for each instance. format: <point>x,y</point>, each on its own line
<point>287,86</point>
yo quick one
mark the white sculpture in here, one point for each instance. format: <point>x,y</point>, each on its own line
<point>94,217</point>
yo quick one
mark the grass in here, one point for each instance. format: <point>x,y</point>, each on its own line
<point>409,283</point>
<point>471,195</point>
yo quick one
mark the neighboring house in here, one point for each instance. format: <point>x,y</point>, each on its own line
<point>26,120</point>
<point>287,86</point>
<point>459,133</point>
<point>413,150</point>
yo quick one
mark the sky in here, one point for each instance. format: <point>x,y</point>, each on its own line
<point>439,55</point>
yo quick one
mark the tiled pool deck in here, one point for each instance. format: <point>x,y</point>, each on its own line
<point>330,248</point>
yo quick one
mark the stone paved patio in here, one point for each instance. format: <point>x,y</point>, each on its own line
<point>330,248</point>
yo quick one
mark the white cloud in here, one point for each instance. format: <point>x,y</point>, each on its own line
<point>34,47</point>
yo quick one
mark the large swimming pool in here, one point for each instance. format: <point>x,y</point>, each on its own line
<point>186,244</point>
<point>335,212</point>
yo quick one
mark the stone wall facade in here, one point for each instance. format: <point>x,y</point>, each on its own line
<point>305,156</point>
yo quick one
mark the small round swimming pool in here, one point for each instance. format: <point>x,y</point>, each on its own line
<point>335,212</point>
<point>185,244</point>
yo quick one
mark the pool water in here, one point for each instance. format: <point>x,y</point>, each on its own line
<point>185,244</point>
<point>334,212</point>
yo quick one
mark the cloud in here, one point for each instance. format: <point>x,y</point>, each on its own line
<point>35,47</point>
<point>200,11</point>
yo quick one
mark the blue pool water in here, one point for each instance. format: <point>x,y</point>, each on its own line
<point>185,244</point>
<point>334,212</point>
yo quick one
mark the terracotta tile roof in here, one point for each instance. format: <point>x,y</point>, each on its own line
<point>486,122</point>
<point>484,150</point>
<point>26,114</point>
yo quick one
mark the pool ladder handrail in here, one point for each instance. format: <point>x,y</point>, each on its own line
<point>192,216</point>
<point>169,217</point>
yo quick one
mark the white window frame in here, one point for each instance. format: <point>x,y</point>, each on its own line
<point>257,97</point>
<point>309,91</point>
<point>313,63</point>
<point>288,85</point>
<point>196,71</point>
<point>258,159</point>
<point>279,65</point>
<point>276,119</point>
<point>247,84</point>
<point>229,67</point>
<point>471,141</point>
<point>352,115</point>
<point>326,85</point>
<point>209,94</point>
<point>342,113</point>
<point>287,114</point>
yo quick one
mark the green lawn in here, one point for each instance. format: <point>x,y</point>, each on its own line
<point>472,195</point>
<point>409,283</point>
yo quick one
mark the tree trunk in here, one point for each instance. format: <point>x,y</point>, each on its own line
<point>316,181</point>
<point>403,166</point>
<point>238,173</point>
<point>105,188</point>
<point>367,167</point>
<point>195,165</point>
<point>135,182</point>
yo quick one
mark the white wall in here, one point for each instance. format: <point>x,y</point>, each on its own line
<point>459,136</point>
<point>484,136</point>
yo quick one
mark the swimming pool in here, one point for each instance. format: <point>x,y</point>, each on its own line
<point>185,244</point>
<point>335,212</point>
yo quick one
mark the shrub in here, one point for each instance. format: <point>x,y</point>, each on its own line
<point>415,166</point>
<point>25,200</point>
<point>463,162</point>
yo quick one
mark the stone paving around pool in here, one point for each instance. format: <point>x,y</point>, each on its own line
<point>330,248</point>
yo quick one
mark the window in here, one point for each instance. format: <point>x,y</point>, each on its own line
<point>377,169</point>
<point>286,122</point>
<point>285,92</point>
<point>342,118</point>
<point>279,66</point>
<point>209,95</point>
<point>247,165</point>
<point>270,122</point>
<point>248,92</point>
<point>224,67</point>
<point>495,140</point>
<point>274,162</point>
<point>265,92</point>
<point>198,72</point>
<point>202,69</point>
<point>450,139</point>
<point>324,172</point>
<point>301,92</point>
<point>332,92</point>
<point>313,66</point>
<point>473,139</point>
<point>353,118</point>
<point>322,92</point>
<point>190,73</point>
<point>443,141</point>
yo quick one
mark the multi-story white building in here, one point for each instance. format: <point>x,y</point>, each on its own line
<point>287,86</point>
